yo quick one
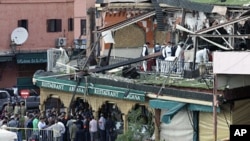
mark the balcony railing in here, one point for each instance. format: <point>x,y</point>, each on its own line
<point>168,67</point>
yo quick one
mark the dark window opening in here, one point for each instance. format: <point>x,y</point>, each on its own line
<point>71,24</point>
<point>54,25</point>
<point>23,23</point>
<point>83,27</point>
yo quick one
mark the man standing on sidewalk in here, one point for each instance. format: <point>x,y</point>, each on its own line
<point>101,123</point>
<point>93,129</point>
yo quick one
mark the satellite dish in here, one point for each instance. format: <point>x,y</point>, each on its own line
<point>19,35</point>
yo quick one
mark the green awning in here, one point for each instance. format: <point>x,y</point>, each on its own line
<point>31,58</point>
<point>5,58</point>
<point>166,118</point>
<point>25,83</point>
<point>202,108</point>
<point>173,108</point>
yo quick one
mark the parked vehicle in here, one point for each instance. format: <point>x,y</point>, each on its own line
<point>14,95</point>
<point>5,98</point>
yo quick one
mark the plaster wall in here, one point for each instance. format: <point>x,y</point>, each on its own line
<point>37,14</point>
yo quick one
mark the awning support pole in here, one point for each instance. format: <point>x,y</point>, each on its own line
<point>215,104</point>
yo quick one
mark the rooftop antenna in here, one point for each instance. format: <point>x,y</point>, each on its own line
<point>18,37</point>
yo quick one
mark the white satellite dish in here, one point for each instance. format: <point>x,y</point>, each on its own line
<point>19,35</point>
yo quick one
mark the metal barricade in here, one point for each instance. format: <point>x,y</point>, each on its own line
<point>29,134</point>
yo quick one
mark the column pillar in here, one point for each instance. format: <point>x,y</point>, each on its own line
<point>125,122</point>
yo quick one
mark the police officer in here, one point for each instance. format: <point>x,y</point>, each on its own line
<point>144,53</point>
<point>157,48</point>
<point>9,109</point>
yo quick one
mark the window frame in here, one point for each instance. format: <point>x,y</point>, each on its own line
<point>71,24</point>
<point>23,23</point>
<point>54,25</point>
<point>83,24</point>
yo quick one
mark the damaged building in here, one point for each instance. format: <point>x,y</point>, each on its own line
<point>183,108</point>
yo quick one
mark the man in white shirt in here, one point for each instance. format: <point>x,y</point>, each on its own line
<point>202,56</point>
<point>101,123</point>
<point>165,65</point>
<point>58,130</point>
<point>93,129</point>
<point>41,124</point>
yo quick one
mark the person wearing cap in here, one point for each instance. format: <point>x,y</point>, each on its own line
<point>144,53</point>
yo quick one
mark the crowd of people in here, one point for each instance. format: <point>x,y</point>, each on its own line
<point>52,125</point>
<point>173,57</point>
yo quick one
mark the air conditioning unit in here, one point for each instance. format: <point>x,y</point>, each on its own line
<point>80,43</point>
<point>61,42</point>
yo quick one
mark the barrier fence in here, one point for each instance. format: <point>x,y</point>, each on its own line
<point>29,134</point>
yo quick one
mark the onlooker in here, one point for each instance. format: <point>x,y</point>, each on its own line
<point>4,125</point>
<point>17,108</point>
<point>58,130</point>
<point>93,129</point>
<point>101,123</point>
<point>14,125</point>
<point>110,126</point>
<point>35,125</point>
<point>41,124</point>
<point>23,109</point>
<point>73,130</point>
<point>29,126</point>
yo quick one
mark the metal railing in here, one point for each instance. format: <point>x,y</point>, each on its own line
<point>165,67</point>
<point>29,134</point>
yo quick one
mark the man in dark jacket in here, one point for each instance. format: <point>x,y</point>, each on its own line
<point>110,129</point>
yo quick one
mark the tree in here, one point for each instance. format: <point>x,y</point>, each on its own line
<point>140,126</point>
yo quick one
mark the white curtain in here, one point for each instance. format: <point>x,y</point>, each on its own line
<point>179,129</point>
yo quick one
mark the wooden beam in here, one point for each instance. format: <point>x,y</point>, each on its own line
<point>247,36</point>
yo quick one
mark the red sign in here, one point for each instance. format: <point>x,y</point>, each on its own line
<point>25,93</point>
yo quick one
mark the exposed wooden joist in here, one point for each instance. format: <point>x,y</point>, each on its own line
<point>237,93</point>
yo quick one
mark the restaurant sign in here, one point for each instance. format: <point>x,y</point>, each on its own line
<point>91,89</point>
